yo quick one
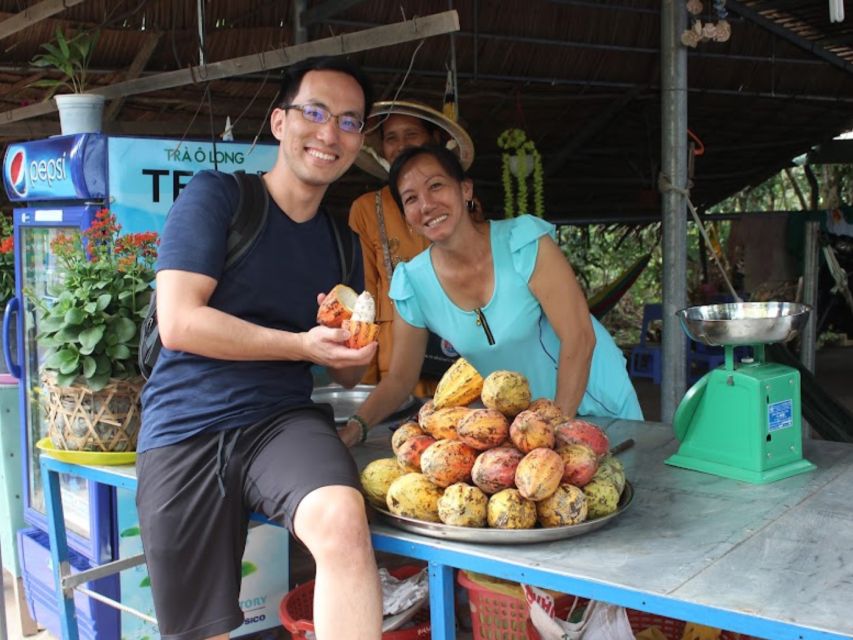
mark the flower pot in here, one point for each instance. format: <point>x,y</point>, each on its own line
<point>80,419</point>
<point>80,112</point>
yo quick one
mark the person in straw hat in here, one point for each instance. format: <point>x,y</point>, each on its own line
<point>386,238</point>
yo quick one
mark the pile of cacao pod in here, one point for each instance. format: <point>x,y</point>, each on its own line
<point>516,463</point>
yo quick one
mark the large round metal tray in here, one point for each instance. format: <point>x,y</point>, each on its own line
<point>346,402</point>
<point>503,536</point>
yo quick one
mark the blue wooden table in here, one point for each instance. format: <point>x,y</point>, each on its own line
<point>772,561</point>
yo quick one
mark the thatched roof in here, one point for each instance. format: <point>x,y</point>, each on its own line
<point>581,77</point>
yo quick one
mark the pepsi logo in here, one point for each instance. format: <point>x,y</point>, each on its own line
<point>17,172</point>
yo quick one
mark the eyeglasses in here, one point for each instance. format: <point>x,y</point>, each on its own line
<point>321,115</point>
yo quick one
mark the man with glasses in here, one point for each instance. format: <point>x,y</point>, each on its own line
<point>228,423</point>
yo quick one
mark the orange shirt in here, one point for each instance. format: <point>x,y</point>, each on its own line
<point>403,244</point>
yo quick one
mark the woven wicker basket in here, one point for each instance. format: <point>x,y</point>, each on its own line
<point>80,419</point>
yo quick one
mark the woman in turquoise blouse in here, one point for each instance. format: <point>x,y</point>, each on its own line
<point>501,292</point>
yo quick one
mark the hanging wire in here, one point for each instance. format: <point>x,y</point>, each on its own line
<point>263,123</point>
<point>399,89</point>
<point>189,126</point>
<point>251,102</point>
<point>453,66</point>
<point>207,92</point>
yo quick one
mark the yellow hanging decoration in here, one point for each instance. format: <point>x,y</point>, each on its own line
<point>450,108</point>
<point>520,158</point>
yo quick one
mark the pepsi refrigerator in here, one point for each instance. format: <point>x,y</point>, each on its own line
<point>58,185</point>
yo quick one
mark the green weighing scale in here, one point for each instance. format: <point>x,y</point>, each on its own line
<point>742,419</point>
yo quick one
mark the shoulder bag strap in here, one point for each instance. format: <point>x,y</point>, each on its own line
<point>383,236</point>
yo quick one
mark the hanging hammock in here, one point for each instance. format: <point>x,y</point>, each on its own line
<point>606,298</point>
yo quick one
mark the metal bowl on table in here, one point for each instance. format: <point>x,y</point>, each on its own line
<point>744,323</point>
<point>346,402</point>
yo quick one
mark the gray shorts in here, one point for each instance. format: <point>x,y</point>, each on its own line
<point>194,499</point>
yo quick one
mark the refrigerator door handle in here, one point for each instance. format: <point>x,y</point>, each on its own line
<point>10,315</point>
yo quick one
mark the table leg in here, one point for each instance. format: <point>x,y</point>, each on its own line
<point>59,551</point>
<point>441,600</point>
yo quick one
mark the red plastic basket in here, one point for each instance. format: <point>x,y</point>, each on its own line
<point>296,611</point>
<point>497,616</point>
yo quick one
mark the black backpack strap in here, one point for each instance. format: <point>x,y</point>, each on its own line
<point>345,240</point>
<point>250,217</point>
<point>247,222</point>
<point>149,339</point>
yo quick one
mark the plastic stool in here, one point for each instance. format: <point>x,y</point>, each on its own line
<point>645,361</point>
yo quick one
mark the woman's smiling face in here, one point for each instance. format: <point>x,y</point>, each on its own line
<point>400,132</point>
<point>433,201</point>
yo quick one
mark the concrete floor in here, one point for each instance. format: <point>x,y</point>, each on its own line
<point>834,373</point>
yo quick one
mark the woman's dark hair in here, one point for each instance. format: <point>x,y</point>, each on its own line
<point>446,158</point>
<point>291,79</point>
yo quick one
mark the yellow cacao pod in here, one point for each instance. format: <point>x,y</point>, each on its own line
<point>414,496</point>
<point>459,385</point>
<point>508,509</point>
<point>441,424</point>
<point>567,505</point>
<point>402,433</point>
<point>506,391</point>
<point>377,476</point>
<point>463,506</point>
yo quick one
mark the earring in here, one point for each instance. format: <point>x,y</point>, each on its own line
<point>471,206</point>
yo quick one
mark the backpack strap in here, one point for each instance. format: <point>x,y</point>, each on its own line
<point>345,240</point>
<point>247,222</point>
<point>250,217</point>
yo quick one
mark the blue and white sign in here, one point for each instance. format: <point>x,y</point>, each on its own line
<point>146,175</point>
<point>780,415</point>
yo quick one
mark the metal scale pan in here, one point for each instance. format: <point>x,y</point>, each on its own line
<point>744,323</point>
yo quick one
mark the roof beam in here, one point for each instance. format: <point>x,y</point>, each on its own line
<point>804,43</point>
<point>33,14</point>
<point>134,71</point>
<point>597,4</point>
<point>591,129</point>
<point>593,46</point>
<point>327,10</point>
<point>44,128</point>
<point>557,82</point>
<point>384,36</point>
<point>832,152</point>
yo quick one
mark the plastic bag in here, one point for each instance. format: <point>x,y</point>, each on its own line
<point>400,594</point>
<point>600,621</point>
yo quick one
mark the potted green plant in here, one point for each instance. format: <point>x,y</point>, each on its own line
<point>89,328</point>
<point>79,112</point>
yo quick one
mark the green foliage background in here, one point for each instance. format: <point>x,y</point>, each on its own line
<point>600,253</point>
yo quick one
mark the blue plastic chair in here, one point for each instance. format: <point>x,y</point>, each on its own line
<point>701,358</point>
<point>645,361</point>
